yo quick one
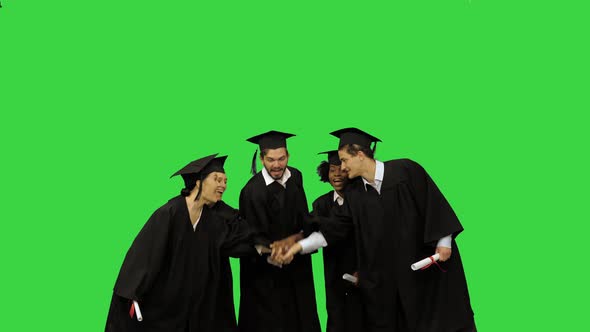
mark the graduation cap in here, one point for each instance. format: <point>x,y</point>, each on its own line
<point>333,158</point>
<point>270,140</point>
<point>203,166</point>
<point>199,169</point>
<point>355,136</point>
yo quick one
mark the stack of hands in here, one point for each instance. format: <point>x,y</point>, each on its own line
<point>283,251</point>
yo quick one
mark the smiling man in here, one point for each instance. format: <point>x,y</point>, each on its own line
<point>400,217</point>
<point>274,204</point>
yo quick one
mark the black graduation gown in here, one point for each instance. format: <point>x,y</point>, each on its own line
<point>173,271</point>
<point>395,229</point>
<point>276,299</point>
<point>225,315</point>
<point>343,302</point>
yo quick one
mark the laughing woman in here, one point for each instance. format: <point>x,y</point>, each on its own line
<point>177,268</point>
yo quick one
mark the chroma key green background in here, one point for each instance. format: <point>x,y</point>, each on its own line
<point>100,101</point>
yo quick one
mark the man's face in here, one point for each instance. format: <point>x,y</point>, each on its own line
<point>275,162</point>
<point>337,177</point>
<point>350,163</point>
<point>213,187</point>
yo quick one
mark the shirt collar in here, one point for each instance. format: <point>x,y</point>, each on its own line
<point>282,181</point>
<point>379,171</point>
<point>338,199</point>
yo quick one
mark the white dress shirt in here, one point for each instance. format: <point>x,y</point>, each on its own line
<point>379,171</point>
<point>338,199</point>
<point>282,181</point>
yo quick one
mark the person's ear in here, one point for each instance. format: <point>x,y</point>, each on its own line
<point>361,155</point>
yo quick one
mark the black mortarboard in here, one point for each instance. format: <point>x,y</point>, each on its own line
<point>270,140</point>
<point>355,136</point>
<point>203,166</point>
<point>333,158</point>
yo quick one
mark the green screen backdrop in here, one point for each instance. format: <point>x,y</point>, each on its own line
<point>101,101</point>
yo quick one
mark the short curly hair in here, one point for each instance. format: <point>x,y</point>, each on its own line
<point>323,170</point>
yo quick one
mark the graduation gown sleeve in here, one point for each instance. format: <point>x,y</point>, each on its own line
<point>336,224</point>
<point>238,236</point>
<point>439,218</point>
<point>144,259</point>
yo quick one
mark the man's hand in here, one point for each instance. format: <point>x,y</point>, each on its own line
<point>356,275</point>
<point>288,256</point>
<point>273,262</point>
<point>444,253</point>
<point>280,247</point>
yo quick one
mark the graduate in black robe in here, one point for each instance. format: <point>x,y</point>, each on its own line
<point>176,268</point>
<point>343,301</point>
<point>400,216</point>
<point>273,202</point>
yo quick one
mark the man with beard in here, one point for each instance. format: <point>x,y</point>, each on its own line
<point>275,299</point>
<point>399,216</point>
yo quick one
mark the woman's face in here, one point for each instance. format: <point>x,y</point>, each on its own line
<point>213,187</point>
<point>338,178</point>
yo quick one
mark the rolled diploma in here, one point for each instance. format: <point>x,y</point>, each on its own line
<point>137,311</point>
<point>424,262</point>
<point>350,278</point>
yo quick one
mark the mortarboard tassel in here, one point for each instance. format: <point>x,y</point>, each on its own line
<point>253,170</point>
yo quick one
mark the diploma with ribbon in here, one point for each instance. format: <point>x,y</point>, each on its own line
<point>135,310</point>
<point>426,262</point>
